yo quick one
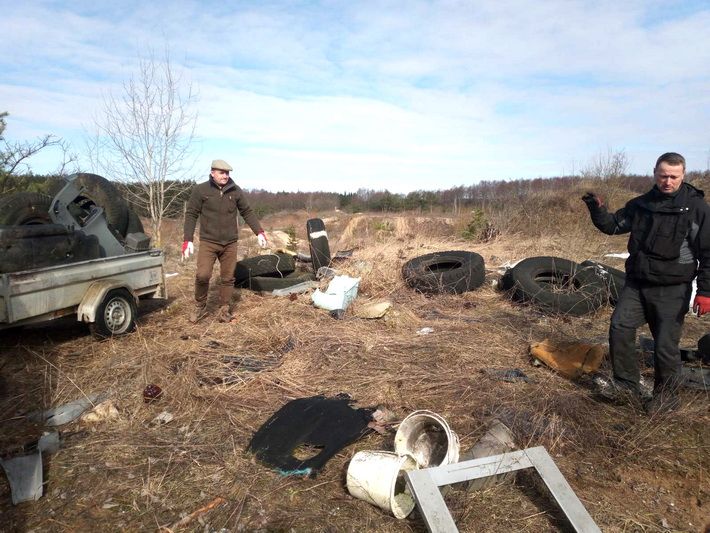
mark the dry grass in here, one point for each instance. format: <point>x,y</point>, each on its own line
<point>132,474</point>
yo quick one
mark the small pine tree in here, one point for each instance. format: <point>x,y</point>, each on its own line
<point>292,243</point>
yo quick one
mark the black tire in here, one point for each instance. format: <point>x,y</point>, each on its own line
<point>271,265</point>
<point>612,279</point>
<point>453,272</point>
<point>268,284</point>
<point>557,285</point>
<point>25,208</point>
<point>318,243</point>
<point>116,315</point>
<point>134,224</point>
<point>105,195</point>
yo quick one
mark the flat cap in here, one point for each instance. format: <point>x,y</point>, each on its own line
<point>221,164</point>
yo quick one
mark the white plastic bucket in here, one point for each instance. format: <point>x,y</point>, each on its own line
<point>427,438</point>
<point>378,478</point>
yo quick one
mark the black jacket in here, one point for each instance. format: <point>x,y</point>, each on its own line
<point>670,236</point>
<point>218,211</point>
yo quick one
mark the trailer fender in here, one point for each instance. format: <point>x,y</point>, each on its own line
<point>95,294</point>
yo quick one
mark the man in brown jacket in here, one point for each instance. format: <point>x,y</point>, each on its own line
<point>217,203</point>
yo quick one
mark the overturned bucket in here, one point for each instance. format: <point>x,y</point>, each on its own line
<point>378,478</point>
<point>427,437</point>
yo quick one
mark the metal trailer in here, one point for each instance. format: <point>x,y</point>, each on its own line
<point>102,292</point>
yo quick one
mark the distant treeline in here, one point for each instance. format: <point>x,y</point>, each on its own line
<point>485,194</point>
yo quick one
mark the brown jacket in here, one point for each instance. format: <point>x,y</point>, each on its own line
<point>218,211</point>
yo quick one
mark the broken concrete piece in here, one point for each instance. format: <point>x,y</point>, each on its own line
<point>68,412</point>
<point>570,360</point>
<point>103,411</point>
<point>373,310</point>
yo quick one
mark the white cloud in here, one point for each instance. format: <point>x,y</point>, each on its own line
<point>395,94</point>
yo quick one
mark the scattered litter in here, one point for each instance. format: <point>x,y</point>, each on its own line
<point>24,472</point>
<point>696,377</point>
<point>162,418</point>
<point>343,254</point>
<point>341,291</point>
<point>570,360</point>
<point>425,331</point>
<point>382,420</point>
<point>620,255</point>
<point>235,368</point>
<point>104,411</point>
<point>171,274</point>
<point>373,310</point>
<point>296,289</point>
<point>502,269</point>
<point>152,393</point>
<point>68,412</point>
<point>325,272</point>
<point>317,426</point>
<point>338,314</point>
<point>498,439</point>
<point>510,375</point>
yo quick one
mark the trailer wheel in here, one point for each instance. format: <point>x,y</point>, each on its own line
<point>116,315</point>
<point>25,209</point>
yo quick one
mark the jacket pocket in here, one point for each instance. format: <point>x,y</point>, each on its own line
<point>666,240</point>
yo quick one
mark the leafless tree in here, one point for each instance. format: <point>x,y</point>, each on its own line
<point>14,157</point>
<point>143,138</point>
<point>606,165</point>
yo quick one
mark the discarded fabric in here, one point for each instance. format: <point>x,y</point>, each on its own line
<point>315,424</point>
<point>570,360</point>
<point>341,291</point>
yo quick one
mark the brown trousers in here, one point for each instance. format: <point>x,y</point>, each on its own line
<point>207,254</point>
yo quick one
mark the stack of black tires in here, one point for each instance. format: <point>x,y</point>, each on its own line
<point>266,273</point>
<point>29,239</point>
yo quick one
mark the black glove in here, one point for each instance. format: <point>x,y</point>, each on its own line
<point>593,201</point>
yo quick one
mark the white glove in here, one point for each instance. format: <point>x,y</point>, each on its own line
<point>262,240</point>
<point>187,249</point>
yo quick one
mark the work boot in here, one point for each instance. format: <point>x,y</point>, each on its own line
<point>198,313</point>
<point>662,404</point>
<point>224,314</point>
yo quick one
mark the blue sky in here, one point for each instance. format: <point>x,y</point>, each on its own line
<point>403,95</point>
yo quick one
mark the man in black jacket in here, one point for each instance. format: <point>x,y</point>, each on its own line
<point>669,245</point>
<point>217,203</point>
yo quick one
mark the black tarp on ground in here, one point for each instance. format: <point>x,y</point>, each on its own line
<point>324,424</point>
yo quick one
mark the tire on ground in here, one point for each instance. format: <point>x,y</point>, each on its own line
<point>271,265</point>
<point>318,243</point>
<point>105,195</point>
<point>557,285</point>
<point>268,284</point>
<point>116,315</point>
<point>25,208</point>
<point>612,279</point>
<point>454,272</point>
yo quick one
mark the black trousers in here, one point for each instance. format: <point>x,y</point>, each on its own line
<point>664,309</point>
